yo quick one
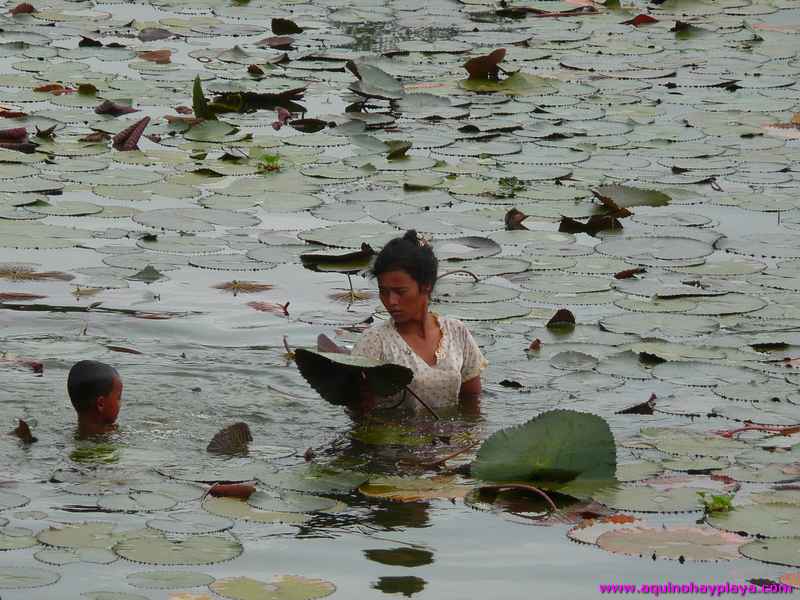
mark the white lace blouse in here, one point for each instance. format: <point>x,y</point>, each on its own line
<point>458,359</point>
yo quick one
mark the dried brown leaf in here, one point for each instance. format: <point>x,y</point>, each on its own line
<point>487,66</point>
<point>243,287</point>
<point>23,432</point>
<point>19,296</point>
<point>160,57</point>
<point>232,440</point>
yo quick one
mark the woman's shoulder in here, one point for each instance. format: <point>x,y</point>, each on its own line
<point>452,325</point>
<point>377,331</point>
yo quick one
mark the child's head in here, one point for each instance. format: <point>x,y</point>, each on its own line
<point>95,390</point>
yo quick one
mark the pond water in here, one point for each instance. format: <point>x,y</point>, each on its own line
<point>687,122</point>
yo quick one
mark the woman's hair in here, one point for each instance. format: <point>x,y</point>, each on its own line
<point>411,254</point>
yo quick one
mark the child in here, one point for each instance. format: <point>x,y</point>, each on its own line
<point>95,390</point>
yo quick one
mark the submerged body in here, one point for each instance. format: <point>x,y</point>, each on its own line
<point>440,351</point>
<point>442,379</point>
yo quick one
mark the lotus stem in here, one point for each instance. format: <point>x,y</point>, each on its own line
<point>421,401</point>
<point>470,273</point>
<point>521,486</point>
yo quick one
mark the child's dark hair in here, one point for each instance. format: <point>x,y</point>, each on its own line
<point>411,254</point>
<point>87,380</point>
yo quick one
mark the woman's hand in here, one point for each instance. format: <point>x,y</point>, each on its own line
<point>470,394</point>
<point>366,399</point>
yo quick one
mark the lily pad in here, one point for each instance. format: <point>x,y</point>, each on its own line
<point>11,500</point>
<point>195,550</point>
<point>674,543</point>
<point>768,520</point>
<point>239,510</point>
<point>16,578</point>
<point>649,499</point>
<point>410,489</point>
<point>168,580</point>
<point>776,551</point>
<point>283,587</point>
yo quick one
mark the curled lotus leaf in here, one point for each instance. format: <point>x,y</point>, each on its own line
<point>674,543</point>
<point>557,446</point>
<point>283,587</point>
<point>337,377</point>
<point>195,550</point>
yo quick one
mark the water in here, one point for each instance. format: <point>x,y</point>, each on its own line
<point>219,361</point>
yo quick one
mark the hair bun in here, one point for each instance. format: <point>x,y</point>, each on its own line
<point>411,236</point>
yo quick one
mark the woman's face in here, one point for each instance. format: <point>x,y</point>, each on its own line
<point>402,296</point>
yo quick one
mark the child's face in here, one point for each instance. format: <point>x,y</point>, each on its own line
<point>108,406</point>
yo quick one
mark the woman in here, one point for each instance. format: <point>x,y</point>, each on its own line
<point>440,351</point>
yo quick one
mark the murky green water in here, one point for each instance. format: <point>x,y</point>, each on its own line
<point>615,104</point>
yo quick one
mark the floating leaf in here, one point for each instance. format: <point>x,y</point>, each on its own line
<point>407,489</point>
<point>238,509</point>
<point>232,440</point>
<point>168,580</point>
<point>674,543</point>
<point>282,587</point>
<point>243,287</point>
<point>284,26</point>
<point>23,432</point>
<point>776,551</point>
<point>195,550</point>
<point>15,578</point>
<point>649,499</point>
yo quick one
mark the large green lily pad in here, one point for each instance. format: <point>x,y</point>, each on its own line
<point>557,446</point>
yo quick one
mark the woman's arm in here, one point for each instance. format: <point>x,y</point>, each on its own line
<point>469,395</point>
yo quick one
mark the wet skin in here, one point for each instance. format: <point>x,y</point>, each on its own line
<point>102,418</point>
